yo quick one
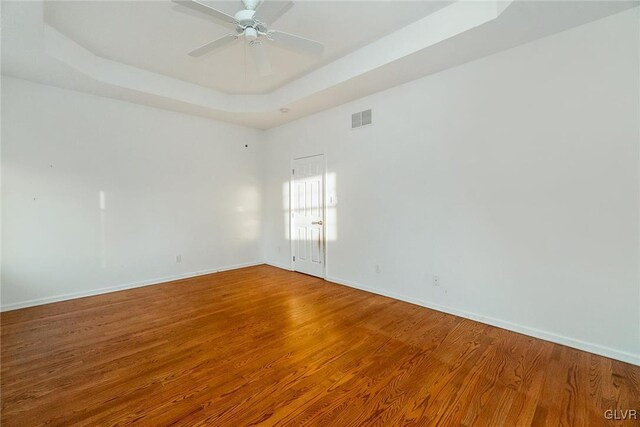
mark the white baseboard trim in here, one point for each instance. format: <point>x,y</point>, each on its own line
<point>278,265</point>
<point>235,267</point>
<point>533,332</point>
<point>525,330</point>
<point>92,292</point>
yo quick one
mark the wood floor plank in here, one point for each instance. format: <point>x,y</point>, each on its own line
<point>264,346</point>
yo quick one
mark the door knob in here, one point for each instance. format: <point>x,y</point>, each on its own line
<point>317,222</point>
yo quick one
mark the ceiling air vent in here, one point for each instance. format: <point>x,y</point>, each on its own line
<point>363,118</point>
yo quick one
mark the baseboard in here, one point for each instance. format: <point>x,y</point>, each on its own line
<point>236,266</point>
<point>525,330</point>
<point>533,332</point>
<point>92,292</point>
<point>278,265</point>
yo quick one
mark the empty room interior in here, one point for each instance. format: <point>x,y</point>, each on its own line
<point>323,213</point>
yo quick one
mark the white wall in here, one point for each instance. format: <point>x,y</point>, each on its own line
<point>515,178</point>
<point>173,184</point>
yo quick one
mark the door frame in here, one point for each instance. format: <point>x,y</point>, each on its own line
<point>324,212</point>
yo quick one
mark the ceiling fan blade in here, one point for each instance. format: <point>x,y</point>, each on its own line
<point>296,42</point>
<point>269,11</point>
<point>199,6</point>
<point>211,46</point>
<point>259,54</point>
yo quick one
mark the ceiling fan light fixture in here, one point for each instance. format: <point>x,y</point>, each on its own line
<point>250,33</point>
<point>284,110</point>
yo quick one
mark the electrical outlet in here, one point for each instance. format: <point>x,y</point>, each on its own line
<point>436,281</point>
<point>378,268</point>
<point>178,259</point>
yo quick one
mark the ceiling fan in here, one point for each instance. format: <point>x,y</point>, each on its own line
<point>252,24</point>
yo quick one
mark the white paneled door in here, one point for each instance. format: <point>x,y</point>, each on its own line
<point>307,215</point>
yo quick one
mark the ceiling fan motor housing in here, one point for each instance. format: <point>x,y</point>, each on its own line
<point>247,25</point>
<point>245,17</point>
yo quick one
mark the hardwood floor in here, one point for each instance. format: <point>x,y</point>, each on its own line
<point>266,346</point>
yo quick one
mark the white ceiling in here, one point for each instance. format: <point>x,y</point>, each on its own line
<point>156,36</point>
<point>136,50</point>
